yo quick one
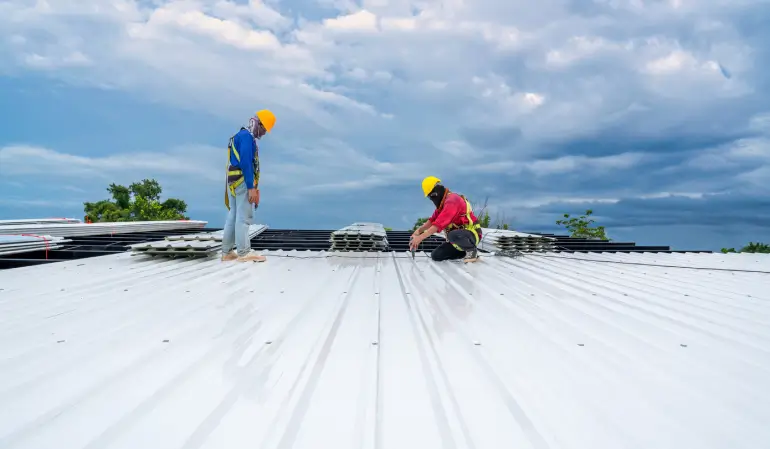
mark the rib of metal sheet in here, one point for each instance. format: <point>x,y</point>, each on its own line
<point>379,350</point>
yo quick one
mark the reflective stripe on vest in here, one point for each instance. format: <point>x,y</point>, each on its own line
<point>471,226</point>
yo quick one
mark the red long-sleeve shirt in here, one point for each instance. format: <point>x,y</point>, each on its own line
<point>452,212</point>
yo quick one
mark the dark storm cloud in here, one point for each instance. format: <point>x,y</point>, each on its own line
<point>492,137</point>
<point>710,210</point>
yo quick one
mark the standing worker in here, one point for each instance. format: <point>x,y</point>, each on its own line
<point>242,191</point>
<point>454,214</point>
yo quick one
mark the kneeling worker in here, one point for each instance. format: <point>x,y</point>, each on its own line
<point>453,214</point>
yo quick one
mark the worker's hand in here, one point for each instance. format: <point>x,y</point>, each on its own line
<point>414,242</point>
<point>254,196</point>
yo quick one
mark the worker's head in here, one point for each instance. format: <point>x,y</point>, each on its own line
<point>261,123</point>
<point>432,188</point>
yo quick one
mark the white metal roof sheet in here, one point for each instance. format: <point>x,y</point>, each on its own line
<point>382,351</point>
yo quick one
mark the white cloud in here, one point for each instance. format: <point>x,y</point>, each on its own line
<point>360,21</point>
<point>372,93</point>
<point>580,47</point>
<point>63,165</point>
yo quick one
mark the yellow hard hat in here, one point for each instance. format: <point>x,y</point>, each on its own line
<point>267,118</point>
<point>429,183</point>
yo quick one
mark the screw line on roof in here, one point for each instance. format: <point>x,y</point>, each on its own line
<point>290,256</point>
<point>647,264</point>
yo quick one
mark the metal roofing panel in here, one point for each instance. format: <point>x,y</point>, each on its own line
<point>379,350</point>
<point>16,244</point>
<point>359,237</point>
<point>101,228</point>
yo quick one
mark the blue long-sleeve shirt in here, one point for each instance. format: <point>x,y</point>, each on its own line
<point>249,154</point>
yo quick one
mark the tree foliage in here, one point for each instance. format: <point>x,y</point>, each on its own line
<point>418,223</point>
<point>138,202</point>
<point>580,227</point>
<point>762,248</point>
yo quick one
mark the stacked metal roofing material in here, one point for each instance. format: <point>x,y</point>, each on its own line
<point>360,237</point>
<point>29,221</point>
<point>379,350</point>
<point>17,244</point>
<point>190,245</point>
<point>84,229</point>
<point>505,241</point>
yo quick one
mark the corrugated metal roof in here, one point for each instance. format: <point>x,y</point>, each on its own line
<point>377,350</point>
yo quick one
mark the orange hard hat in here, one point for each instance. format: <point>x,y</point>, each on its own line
<point>267,118</point>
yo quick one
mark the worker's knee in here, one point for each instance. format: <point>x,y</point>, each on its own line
<point>455,235</point>
<point>445,251</point>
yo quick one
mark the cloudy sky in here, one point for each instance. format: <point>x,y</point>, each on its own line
<point>653,113</point>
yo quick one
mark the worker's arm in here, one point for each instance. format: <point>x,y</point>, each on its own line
<point>432,229</point>
<point>422,228</point>
<point>246,147</point>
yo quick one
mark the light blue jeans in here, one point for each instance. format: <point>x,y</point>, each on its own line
<point>240,216</point>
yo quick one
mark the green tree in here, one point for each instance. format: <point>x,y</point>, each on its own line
<point>580,227</point>
<point>138,202</point>
<point>501,222</point>
<point>762,248</point>
<point>419,222</point>
<point>480,211</point>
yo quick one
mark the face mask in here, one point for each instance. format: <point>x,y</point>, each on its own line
<point>255,128</point>
<point>437,195</point>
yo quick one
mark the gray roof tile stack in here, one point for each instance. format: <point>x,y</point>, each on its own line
<point>16,244</point>
<point>360,237</point>
<point>102,228</point>
<point>505,241</point>
<point>191,245</point>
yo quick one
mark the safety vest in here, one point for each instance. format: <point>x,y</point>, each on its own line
<point>236,171</point>
<point>470,226</point>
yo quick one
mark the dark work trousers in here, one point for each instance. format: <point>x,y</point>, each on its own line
<point>462,238</point>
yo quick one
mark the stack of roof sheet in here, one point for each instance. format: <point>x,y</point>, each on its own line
<point>15,244</point>
<point>505,241</point>
<point>216,236</point>
<point>84,229</point>
<point>360,237</point>
<point>191,245</point>
<point>29,221</point>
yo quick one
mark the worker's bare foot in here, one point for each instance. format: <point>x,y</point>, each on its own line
<point>252,256</point>
<point>229,256</point>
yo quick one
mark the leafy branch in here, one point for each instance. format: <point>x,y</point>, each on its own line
<point>581,227</point>
<point>762,248</point>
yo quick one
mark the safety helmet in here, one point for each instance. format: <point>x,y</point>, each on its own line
<point>429,183</point>
<point>267,118</point>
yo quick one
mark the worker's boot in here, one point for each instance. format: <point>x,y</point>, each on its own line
<point>252,256</point>
<point>471,256</point>
<point>232,255</point>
